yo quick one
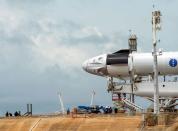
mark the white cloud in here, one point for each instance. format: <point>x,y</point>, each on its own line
<point>91,31</point>
<point>52,42</point>
<point>41,53</point>
<point>68,56</point>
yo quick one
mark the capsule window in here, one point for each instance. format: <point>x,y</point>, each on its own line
<point>100,58</point>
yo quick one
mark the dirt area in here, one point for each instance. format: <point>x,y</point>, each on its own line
<point>59,123</point>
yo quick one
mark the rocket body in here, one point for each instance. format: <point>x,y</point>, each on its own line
<point>120,63</point>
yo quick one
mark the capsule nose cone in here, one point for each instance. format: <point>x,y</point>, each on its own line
<point>84,65</point>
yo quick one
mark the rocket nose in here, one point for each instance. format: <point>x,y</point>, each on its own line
<point>84,65</point>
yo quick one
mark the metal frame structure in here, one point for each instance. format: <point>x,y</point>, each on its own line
<point>61,102</point>
<point>168,96</point>
<point>155,27</point>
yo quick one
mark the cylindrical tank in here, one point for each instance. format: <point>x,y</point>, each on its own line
<point>142,63</point>
<point>120,63</point>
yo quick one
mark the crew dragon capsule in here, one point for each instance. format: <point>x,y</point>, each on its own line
<point>120,63</point>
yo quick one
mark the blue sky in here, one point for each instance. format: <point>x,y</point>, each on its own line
<point>44,42</point>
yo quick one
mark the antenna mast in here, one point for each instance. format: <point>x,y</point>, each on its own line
<point>133,48</point>
<point>155,27</point>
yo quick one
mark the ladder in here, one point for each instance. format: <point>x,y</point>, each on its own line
<point>132,105</point>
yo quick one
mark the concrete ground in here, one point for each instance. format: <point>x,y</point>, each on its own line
<point>80,123</point>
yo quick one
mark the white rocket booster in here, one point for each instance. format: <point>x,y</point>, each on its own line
<point>120,63</point>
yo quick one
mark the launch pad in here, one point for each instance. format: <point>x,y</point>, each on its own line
<point>167,91</point>
<point>130,73</point>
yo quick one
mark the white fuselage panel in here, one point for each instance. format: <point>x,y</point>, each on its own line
<point>143,63</point>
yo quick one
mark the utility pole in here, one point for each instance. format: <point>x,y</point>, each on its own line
<point>155,27</point>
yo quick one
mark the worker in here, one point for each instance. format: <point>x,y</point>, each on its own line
<point>68,111</point>
<point>115,110</point>
<point>7,114</point>
<point>10,114</point>
<point>16,114</point>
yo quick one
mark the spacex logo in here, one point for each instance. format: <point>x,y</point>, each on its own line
<point>173,62</point>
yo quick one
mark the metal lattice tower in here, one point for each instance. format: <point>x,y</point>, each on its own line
<point>61,102</point>
<point>156,20</point>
